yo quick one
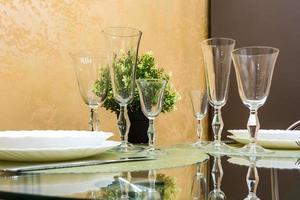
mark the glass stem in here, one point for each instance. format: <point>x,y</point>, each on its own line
<point>125,185</point>
<point>202,182</point>
<point>253,126</point>
<point>217,173</point>
<point>217,124</point>
<point>151,134</point>
<point>252,177</point>
<point>123,125</point>
<point>94,120</point>
<point>152,178</point>
<point>199,129</point>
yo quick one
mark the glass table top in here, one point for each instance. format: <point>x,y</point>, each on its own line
<point>233,177</point>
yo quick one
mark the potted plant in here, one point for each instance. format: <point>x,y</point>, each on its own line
<point>146,69</point>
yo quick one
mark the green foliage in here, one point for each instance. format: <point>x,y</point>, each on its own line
<point>146,69</point>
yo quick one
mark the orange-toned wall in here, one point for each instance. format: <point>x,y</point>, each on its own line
<point>37,83</point>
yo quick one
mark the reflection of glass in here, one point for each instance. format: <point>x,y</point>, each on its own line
<point>217,57</point>
<point>252,179</point>
<point>254,69</point>
<point>217,175</point>
<point>123,43</point>
<point>151,92</point>
<point>152,193</point>
<point>88,64</point>
<point>199,103</point>
<point>199,187</point>
<point>125,185</point>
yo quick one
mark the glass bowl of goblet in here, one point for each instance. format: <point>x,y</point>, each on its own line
<point>151,92</point>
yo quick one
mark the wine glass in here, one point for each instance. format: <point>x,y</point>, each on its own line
<point>88,64</point>
<point>217,176</point>
<point>199,103</point>
<point>151,92</point>
<point>254,70</point>
<point>123,44</point>
<point>217,59</point>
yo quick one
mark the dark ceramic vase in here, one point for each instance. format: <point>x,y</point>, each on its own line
<point>138,127</point>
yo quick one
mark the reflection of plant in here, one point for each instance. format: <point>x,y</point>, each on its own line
<point>170,189</point>
<point>146,69</point>
<point>165,185</point>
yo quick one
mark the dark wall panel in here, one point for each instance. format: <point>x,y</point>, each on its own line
<point>269,23</point>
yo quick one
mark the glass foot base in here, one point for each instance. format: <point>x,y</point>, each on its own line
<point>127,148</point>
<point>218,148</point>
<point>151,152</point>
<point>200,144</point>
<point>252,196</point>
<point>253,149</point>
<point>217,194</point>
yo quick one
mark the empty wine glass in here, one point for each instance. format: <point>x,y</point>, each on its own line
<point>254,70</point>
<point>151,92</point>
<point>217,175</point>
<point>123,44</point>
<point>88,64</point>
<point>217,59</point>
<point>199,103</point>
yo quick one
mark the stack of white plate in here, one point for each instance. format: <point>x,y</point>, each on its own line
<point>51,145</point>
<point>275,139</point>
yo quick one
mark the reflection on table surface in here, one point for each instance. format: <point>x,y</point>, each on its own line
<point>216,178</point>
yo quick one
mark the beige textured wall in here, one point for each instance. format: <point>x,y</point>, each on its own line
<point>37,82</point>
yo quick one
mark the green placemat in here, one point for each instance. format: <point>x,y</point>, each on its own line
<point>275,153</point>
<point>173,157</point>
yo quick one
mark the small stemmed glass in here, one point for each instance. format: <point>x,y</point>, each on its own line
<point>199,103</point>
<point>217,176</point>
<point>217,57</point>
<point>88,64</point>
<point>123,44</point>
<point>151,92</point>
<point>254,70</point>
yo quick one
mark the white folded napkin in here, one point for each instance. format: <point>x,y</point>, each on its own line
<point>270,134</point>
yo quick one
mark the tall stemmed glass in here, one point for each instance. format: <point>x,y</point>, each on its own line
<point>123,43</point>
<point>88,64</point>
<point>199,103</point>
<point>151,92</point>
<point>254,70</point>
<point>217,59</point>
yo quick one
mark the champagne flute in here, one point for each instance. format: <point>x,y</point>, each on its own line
<point>254,68</point>
<point>151,92</point>
<point>123,44</point>
<point>199,103</point>
<point>217,57</point>
<point>88,64</point>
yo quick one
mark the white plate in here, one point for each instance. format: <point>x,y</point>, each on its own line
<point>54,154</point>
<point>51,139</point>
<point>274,139</point>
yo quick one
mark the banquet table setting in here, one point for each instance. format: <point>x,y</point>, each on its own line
<point>251,163</point>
